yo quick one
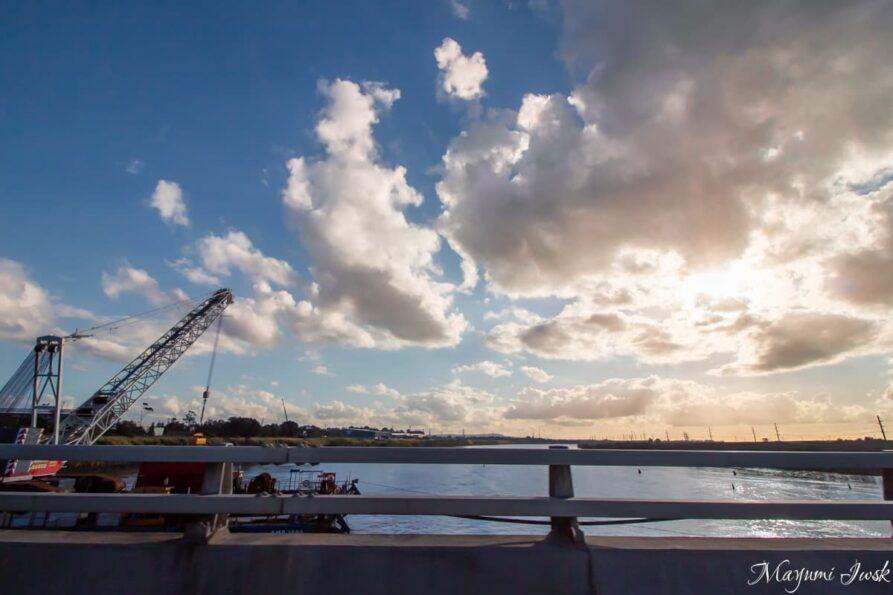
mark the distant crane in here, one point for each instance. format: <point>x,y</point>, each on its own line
<point>42,372</point>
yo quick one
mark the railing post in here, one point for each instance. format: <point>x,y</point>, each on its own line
<point>217,480</point>
<point>887,479</point>
<point>561,485</point>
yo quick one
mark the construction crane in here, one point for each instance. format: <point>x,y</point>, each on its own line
<point>95,416</point>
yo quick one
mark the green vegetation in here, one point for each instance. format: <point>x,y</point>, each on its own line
<point>246,431</point>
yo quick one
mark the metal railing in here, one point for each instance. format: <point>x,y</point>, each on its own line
<point>562,506</point>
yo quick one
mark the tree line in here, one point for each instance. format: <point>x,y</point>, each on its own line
<point>236,427</point>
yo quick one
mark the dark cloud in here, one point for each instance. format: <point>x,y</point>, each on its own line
<point>866,276</point>
<point>799,340</point>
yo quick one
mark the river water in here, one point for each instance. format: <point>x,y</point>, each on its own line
<point>606,482</point>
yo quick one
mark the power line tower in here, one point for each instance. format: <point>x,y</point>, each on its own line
<point>881,424</point>
<point>754,432</point>
<point>710,433</point>
<point>777,435</point>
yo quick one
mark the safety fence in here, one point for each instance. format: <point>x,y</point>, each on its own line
<point>562,506</point>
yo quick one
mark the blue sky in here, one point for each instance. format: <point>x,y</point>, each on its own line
<point>591,161</point>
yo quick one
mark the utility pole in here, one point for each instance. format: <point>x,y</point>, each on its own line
<point>668,434</point>
<point>777,435</point>
<point>710,432</point>
<point>754,432</point>
<point>881,424</point>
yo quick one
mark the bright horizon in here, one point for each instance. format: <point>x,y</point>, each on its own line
<point>575,219</point>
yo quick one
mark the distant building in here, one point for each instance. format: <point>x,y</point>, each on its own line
<point>366,433</point>
<point>408,434</point>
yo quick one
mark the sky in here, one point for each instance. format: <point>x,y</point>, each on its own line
<point>573,218</point>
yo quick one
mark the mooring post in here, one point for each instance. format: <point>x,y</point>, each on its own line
<point>561,485</point>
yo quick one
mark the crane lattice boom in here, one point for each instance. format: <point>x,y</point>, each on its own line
<point>100,412</point>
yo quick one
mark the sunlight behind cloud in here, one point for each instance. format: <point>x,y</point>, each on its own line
<point>730,282</point>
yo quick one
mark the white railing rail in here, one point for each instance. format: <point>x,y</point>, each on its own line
<point>461,456</point>
<point>561,505</point>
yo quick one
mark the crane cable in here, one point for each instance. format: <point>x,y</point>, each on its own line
<point>207,392</point>
<point>135,318</point>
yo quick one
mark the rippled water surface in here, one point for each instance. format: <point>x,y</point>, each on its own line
<point>608,482</point>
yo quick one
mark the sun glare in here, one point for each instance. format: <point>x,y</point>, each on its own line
<point>718,284</point>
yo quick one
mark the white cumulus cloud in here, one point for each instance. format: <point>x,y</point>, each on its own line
<point>374,271</point>
<point>25,307</point>
<point>220,254</point>
<point>536,374</point>
<point>491,369</point>
<point>129,279</point>
<point>461,76</point>
<point>168,199</point>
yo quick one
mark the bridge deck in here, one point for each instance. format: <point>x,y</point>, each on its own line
<point>419,564</point>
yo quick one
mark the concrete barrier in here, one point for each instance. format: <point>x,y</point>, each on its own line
<point>154,564</point>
